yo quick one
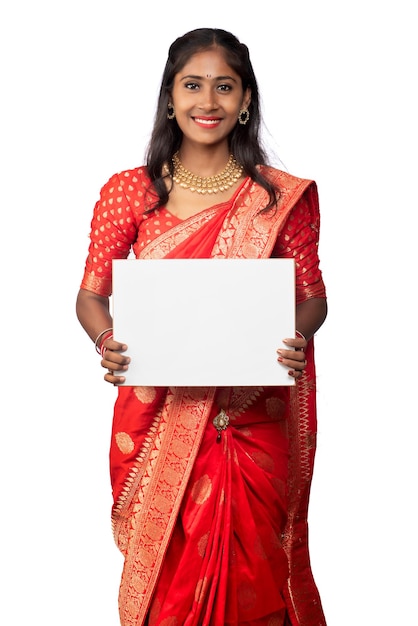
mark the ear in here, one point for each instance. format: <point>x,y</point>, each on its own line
<point>246,98</point>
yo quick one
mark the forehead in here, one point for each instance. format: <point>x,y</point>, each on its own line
<point>208,62</point>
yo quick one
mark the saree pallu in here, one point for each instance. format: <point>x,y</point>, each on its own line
<point>211,486</point>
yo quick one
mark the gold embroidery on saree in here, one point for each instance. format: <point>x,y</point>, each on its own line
<point>201,490</point>
<point>155,502</point>
<point>146,395</point>
<point>165,243</point>
<point>124,443</point>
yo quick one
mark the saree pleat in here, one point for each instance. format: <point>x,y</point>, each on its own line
<point>213,525</point>
<point>226,553</point>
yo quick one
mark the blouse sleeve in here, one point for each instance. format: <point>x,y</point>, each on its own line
<point>299,240</point>
<point>113,231</point>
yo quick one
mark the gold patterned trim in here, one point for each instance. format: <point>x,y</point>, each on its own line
<point>155,500</point>
<point>164,243</point>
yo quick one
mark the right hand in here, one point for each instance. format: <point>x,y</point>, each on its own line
<point>114,361</point>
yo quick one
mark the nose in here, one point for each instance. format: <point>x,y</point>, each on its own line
<point>208,100</point>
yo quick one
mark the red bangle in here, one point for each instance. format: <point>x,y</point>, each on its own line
<point>101,345</point>
<point>99,338</point>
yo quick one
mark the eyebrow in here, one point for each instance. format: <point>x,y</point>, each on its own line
<point>194,77</point>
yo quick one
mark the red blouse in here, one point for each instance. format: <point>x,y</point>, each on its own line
<point>120,227</point>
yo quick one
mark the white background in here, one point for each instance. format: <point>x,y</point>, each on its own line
<point>79,88</point>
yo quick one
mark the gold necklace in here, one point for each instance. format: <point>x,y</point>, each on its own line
<point>207,184</point>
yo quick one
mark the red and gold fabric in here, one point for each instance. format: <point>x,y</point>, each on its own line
<point>211,486</point>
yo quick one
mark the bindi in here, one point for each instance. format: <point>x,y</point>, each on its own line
<point>208,75</point>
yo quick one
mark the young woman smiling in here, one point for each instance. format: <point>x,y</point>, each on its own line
<point>211,485</point>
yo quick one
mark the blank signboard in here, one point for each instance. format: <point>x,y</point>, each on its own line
<point>204,322</point>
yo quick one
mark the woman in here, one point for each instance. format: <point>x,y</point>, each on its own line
<point>210,486</point>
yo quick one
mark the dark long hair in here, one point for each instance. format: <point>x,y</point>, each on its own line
<point>244,140</point>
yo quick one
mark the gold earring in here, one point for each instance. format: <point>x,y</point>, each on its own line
<point>171,114</point>
<point>243,116</point>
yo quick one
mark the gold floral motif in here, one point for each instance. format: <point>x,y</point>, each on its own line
<point>262,224</point>
<point>275,408</point>
<point>144,557</point>
<point>146,395</point>
<point>263,460</point>
<point>189,421</point>
<point>138,583</point>
<point>170,476</point>
<point>180,449</point>
<point>249,251</point>
<point>202,544</point>
<point>202,489</point>
<point>201,589</point>
<point>153,532</point>
<point>162,504</point>
<point>124,443</point>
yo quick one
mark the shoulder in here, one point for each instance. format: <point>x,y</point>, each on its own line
<point>137,176</point>
<point>292,189</point>
<point>131,184</point>
<point>282,179</point>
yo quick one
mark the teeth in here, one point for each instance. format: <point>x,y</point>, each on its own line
<point>208,122</point>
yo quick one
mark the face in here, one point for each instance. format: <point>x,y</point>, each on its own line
<point>207,97</point>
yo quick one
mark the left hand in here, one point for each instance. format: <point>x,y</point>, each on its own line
<point>294,358</point>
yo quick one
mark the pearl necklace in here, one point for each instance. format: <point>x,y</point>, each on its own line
<point>209,184</point>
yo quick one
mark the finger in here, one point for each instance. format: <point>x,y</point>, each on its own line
<point>299,366</point>
<point>298,343</point>
<point>116,346</point>
<point>296,374</point>
<point>296,366</point>
<point>114,380</point>
<point>115,360</point>
<point>291,355</point>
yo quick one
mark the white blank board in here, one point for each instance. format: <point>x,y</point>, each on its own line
<point>204,322</point>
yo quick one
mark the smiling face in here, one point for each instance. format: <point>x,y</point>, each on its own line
<point>207,96</point>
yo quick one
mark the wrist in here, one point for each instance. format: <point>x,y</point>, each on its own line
<point>101,338</point>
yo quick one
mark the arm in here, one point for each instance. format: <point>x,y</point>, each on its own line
<point>111,237</point>
<point>299,240</point>
<point>93,314</point>
<point>310,315</point>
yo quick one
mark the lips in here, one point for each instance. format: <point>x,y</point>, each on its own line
<point>207,122</point>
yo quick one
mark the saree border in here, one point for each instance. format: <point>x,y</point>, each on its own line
<point>158,497</point>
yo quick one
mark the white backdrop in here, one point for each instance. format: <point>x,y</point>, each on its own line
<point>79,87</point>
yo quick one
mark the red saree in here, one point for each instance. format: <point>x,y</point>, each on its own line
<point>211,515</point>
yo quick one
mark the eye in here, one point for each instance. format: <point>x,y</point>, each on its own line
<point>191,86</point>
<point>224,87</point>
